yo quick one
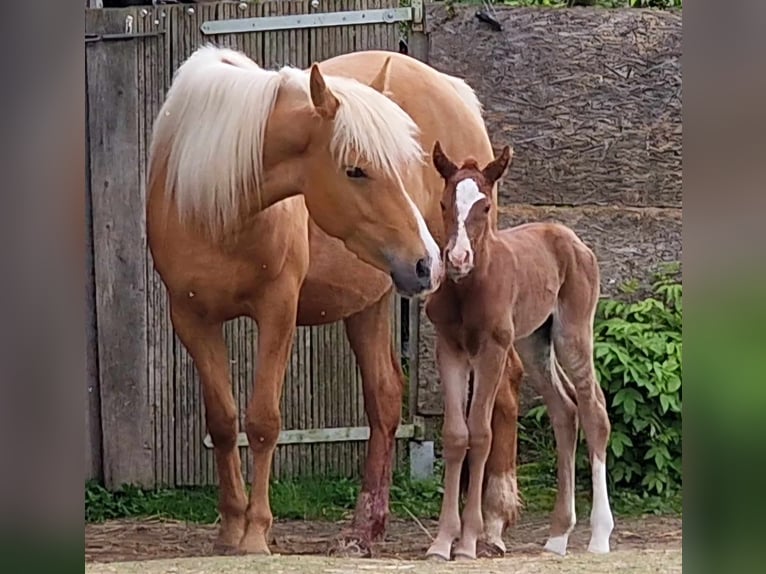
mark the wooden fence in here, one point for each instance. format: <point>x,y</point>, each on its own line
<point>145,422</point>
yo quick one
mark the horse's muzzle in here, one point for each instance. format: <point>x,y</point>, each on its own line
<point>418,278</point>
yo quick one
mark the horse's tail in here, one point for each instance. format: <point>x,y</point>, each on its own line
<point>207,141</point>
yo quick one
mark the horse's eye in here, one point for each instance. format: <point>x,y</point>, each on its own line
<point>355,172</point>
<point>486,208</point>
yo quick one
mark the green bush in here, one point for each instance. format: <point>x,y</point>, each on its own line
<point>637,351</point>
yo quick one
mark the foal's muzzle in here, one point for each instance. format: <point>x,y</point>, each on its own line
<point>459,263</point>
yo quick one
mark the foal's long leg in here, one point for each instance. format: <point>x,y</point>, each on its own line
<point>488,367</point>
<point>205,343</point>
<point>275,312</point>
<point>543,372</point>
<point>573,343</point>
<point>500,503</point>
<point>453,369</point>
<point>369,333</point>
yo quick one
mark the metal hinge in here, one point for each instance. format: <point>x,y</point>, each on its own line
<point>129,34</point>
<point>111,37</point>
<point>326,19</point>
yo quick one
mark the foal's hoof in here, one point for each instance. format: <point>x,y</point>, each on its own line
<point>461,557</point>
<point>434,557</point>
<point>557,545</point>
<point>487,549</point>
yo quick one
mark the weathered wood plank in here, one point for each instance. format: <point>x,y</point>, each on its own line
<point>93,461</point>
<point>327,435</point>
<point>119,254</point>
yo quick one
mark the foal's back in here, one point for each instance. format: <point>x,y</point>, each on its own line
<point>549,262</point>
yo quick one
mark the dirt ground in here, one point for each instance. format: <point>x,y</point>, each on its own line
<point>649,544</point>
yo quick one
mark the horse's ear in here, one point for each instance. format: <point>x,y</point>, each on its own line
<point>380,81</point>
<point>442,163</point>
<point>325,102</point>
<point>496,168</point>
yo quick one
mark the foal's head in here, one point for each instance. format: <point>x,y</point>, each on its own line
<point>466,206</point>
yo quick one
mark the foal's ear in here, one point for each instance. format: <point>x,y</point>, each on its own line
<point>380,81</point>
<point>325,102</point>
<point>497,167</point>
<point>442,163</point>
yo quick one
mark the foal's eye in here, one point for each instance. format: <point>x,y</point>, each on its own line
<point>486,208</point>
<point>355,172</point>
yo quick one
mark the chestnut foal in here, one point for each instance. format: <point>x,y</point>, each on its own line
<point>516,300</point>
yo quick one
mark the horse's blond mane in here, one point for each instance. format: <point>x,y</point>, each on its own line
<point>466,93</point>
<point>209,135</point>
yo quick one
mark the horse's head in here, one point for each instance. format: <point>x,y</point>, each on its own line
<point>361,151</point>
<point>466,207</point>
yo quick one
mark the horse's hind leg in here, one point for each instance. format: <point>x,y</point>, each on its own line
<point>536,354</point>
<point>369,333</point>
<point>205,343</point>
<point>573,342</point>
<point>500,499</point>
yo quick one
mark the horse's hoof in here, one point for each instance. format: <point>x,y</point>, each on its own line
<point>350,547</point>
<point>223,549</point>
<point>254,548</point>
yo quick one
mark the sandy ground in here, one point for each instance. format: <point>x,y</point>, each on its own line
<point>629,561</point>
<point>640,545</point>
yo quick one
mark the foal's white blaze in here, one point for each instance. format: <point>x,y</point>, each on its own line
<point>601,521</point>
<point>467,194</point>
<point>431,247</point>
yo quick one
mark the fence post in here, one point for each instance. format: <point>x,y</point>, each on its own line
<point>418,42</point>
<point>421,452</point>
<point>120,262</point>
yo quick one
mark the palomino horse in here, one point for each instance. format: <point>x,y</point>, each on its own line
<point>515,300</point>
<point>234,149</point>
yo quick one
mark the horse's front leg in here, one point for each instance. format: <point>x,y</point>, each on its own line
<point>207,347</point>
<point>488,369</point>
<point>454,369</point>
<point>369,333</point>
<point>276,315</point>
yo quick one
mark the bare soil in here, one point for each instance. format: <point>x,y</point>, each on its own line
<point>648,541</point>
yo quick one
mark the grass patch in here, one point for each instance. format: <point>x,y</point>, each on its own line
<point>334,499</point>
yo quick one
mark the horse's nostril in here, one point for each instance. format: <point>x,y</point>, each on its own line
<point>422,269</point>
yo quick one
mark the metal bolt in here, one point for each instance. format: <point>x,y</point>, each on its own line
<point>144,12</point>
<point>190,11</point>
<point>242,6</point>
<point>315,4</point>
<point>156,22</point>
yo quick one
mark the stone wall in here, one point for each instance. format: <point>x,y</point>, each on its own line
<point>590,100</point>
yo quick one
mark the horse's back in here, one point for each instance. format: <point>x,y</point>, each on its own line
<point>443,106</point>
<point>552,244</point>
